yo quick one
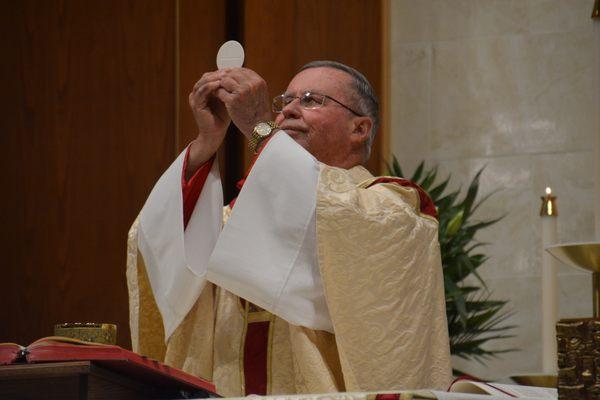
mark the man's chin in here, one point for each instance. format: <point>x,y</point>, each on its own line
<point>296,135</point>
<point>299,137</point>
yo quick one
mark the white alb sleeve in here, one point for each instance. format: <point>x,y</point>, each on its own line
<point>267,251</point>
<point>176,262</point>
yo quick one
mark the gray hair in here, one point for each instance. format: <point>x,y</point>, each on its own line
<point>367,100</point>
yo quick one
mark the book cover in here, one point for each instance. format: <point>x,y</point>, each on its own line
<point>115,358</point>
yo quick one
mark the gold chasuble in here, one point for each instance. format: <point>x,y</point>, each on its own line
<point>380,266</point>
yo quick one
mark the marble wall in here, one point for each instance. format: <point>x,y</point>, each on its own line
<point>513,85</point>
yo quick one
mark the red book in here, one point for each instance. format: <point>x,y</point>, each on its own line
<point>115,358</point>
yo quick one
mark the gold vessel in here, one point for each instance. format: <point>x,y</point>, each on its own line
<point>539,380</point>
<point>88,331</point>
<point>585,256</point>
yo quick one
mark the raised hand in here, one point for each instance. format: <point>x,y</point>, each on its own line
<point>211,118</point>
<point>246,98</point>
<point>230,94</point>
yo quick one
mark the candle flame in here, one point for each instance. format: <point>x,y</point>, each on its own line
<point>548,191</point>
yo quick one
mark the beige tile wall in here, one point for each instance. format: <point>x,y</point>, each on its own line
<point>512,85</point>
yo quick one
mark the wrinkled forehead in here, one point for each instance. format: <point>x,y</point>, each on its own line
<point>324,80</point>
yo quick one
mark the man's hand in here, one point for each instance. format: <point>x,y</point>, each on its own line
<point>211,118</point>
<point>246,97</point>
<point>237,94</point>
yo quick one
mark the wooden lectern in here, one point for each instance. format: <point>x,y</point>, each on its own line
<point>63,368</point>
<point>85,380</point>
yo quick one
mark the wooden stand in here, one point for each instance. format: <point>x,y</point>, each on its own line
<point>77,380</point>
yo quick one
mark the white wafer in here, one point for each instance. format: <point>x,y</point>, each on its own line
<point>230,55</point>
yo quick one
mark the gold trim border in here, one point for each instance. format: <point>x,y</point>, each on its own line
<point>242,345</point>
<point>270,354</point>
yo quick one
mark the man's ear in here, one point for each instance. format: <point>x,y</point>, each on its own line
<point>362,129</point>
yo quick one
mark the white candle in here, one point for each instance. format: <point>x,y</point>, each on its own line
<point>597,153</point>
<point>549,285</point>
<point>597,156</point>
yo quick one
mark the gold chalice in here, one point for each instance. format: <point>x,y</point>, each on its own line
<point>585,256</point>
<point>88,332</point>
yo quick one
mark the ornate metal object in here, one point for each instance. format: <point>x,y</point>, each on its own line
<point>578,343</point>
<point>586,256</point>
<point>88,332</point>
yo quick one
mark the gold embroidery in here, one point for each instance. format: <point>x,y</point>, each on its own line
<point>368,182</point>
<point>259,316</point>
<point>270,352</point>
<point>401,271</point>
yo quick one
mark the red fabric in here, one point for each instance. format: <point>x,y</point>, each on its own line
<point>191,189</point>
<point>388,396</point>
<point>255,357</point>
<point>427,205</point>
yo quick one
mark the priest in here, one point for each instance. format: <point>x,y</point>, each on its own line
<point>318,278</point>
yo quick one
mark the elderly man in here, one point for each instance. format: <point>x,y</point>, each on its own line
<point>320,277</point>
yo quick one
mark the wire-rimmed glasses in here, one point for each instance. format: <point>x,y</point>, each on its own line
<point>308,100</point>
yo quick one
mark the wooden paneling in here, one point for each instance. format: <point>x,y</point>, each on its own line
<point>89,95</point>
<point>203,26</point>
<point>269,41</point>
<point>201,32</point>
<point>94,103</point>
<point>281,36</point>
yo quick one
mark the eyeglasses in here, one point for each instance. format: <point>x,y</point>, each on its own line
<point>308,100</point>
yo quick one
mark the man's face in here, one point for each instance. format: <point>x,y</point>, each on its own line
<point>326,132</point>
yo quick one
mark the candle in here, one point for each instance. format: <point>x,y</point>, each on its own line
<point>597,158</point>
<point>596,207</point>
<point>548,213</point>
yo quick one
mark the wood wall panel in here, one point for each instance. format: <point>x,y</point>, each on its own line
<point>203,26</point>
<point>269,37</point>
<point>197,50</point>
<point>94,103</point>
<point>90,94</point>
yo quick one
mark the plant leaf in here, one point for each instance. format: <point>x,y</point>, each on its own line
<point>418,172</point>
<point>454,224</point>
<point>439,189</point>
<point>471,193</point>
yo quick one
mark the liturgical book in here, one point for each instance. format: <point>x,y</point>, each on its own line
<point>115,358</point>
<point>483,390</point>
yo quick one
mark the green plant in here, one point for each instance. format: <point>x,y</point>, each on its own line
<point>474,318</point>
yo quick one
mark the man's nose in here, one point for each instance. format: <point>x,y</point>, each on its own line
<point>292,109</point>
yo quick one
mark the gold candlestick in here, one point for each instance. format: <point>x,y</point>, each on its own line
<point>548,208</point>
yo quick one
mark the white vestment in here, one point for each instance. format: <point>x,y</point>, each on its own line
<point>316,247</point>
